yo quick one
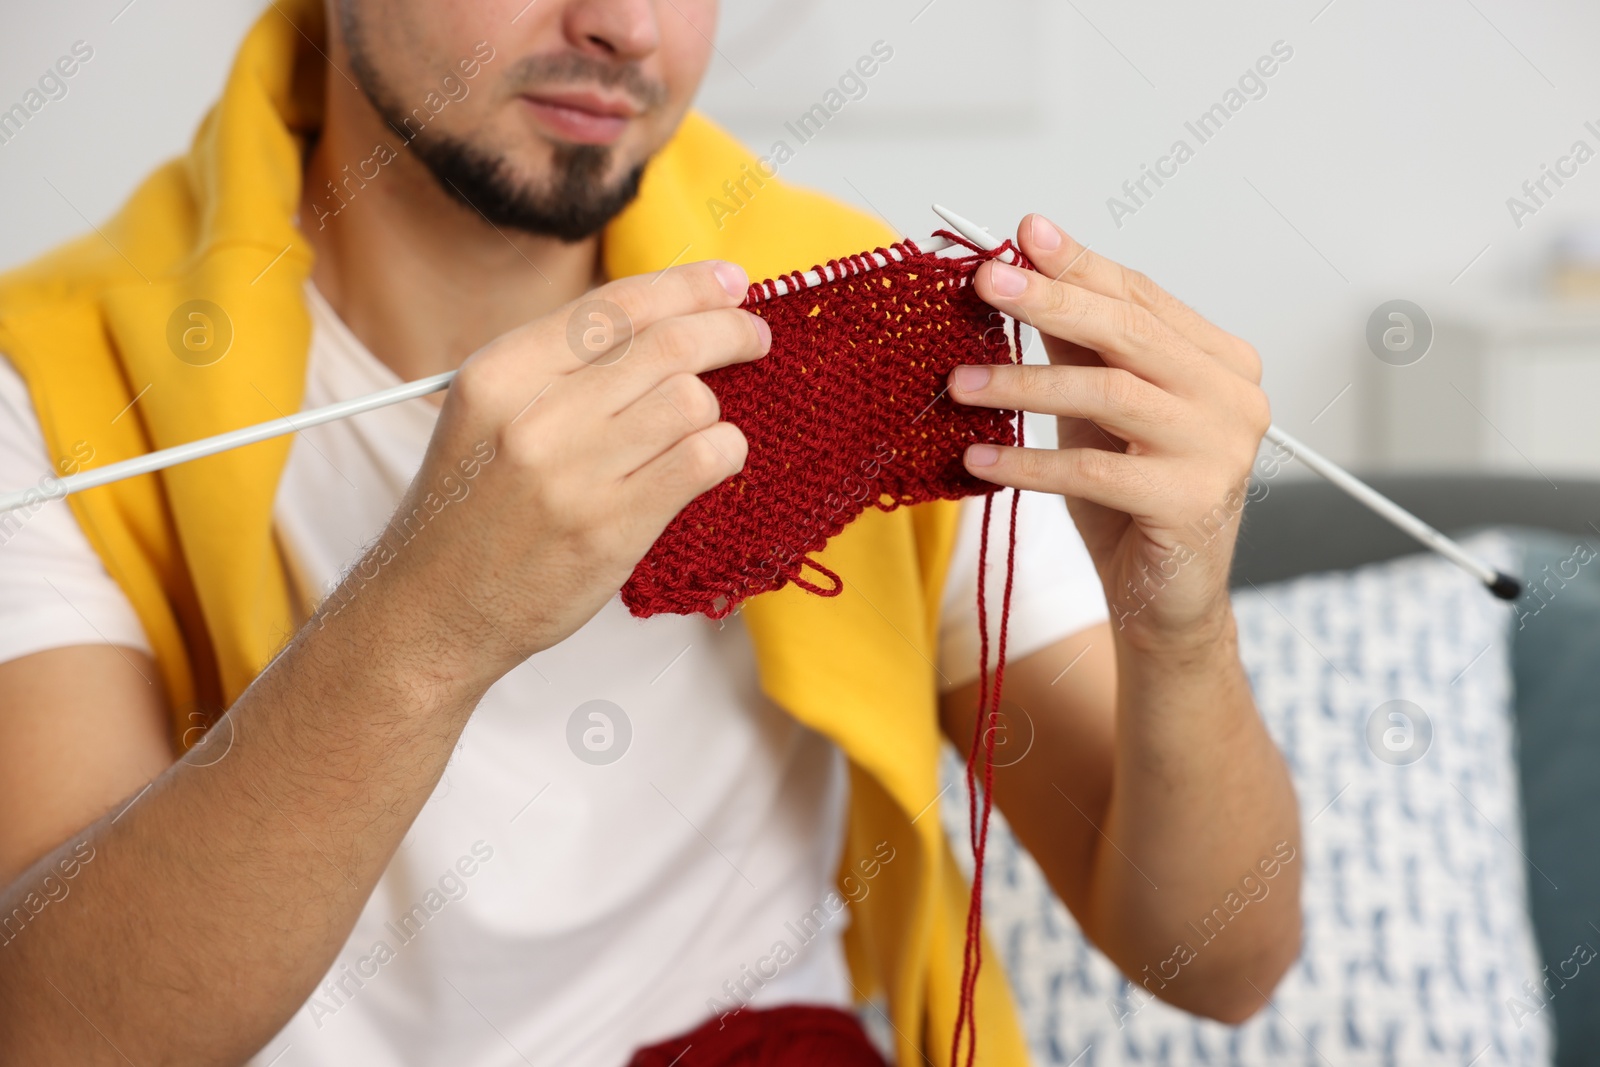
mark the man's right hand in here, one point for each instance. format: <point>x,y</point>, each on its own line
<point>584,432</point>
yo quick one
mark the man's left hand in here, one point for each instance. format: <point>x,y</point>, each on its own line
<point>1159,417</point>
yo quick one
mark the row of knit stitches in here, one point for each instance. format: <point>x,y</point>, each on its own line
<point>846,411</point>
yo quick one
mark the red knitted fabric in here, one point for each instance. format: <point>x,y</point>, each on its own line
<point>848,411</point>
<point>789,1036</point>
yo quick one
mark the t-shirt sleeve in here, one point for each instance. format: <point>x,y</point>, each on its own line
<point>54,591</point>
<point>1056,592</point>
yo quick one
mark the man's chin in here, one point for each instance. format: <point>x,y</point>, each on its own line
<point>570,194</point>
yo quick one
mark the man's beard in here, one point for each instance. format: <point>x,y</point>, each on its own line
<point>572,205</point>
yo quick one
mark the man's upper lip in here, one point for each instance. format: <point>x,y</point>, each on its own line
<point>593,103</point>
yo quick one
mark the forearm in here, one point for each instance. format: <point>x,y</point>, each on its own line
<point>209,907</point>
<point>1195,881</point>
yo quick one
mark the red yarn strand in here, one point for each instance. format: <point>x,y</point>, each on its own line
<point>964,1003</point>
<point>985,724</point>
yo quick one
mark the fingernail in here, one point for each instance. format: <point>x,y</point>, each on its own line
<point>764,331</point>
<point>971,379</point>
<point>1046,234</point>
<point>733,278</point>
<point>982,456</point>
<point>1006,279</point>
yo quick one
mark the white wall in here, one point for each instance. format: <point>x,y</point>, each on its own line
<point>1376,166</point>
<point>155,71</point>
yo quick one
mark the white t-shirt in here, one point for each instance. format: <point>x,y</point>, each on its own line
<point>587,877</point>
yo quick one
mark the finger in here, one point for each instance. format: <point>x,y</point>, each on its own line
<point>1117,481</point>
<point>578,407</point>
<point>697,462</point>
<point>607,319</point>
<point>686,344</point>
<point>1111,397</point>
<point>1123,334</point>
<point>676,407</point>
<point>682,290</point>
<point>519,368</point>
<point>1061,258</point>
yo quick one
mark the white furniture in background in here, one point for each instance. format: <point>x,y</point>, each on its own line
<point>1510,387</point>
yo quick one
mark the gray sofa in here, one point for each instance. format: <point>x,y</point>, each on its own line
<point>1303,526</point>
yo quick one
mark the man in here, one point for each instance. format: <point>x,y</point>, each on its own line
<point>461,808</point>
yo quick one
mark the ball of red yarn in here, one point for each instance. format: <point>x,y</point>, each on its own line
<point>795,1035</point>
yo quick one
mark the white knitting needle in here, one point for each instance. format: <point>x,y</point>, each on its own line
<point>54,488</point>
<point>1499,583</point>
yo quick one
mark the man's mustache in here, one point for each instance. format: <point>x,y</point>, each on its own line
<point>568,68</point>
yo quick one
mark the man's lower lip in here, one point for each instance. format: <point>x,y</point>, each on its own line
<point>571,124</point>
